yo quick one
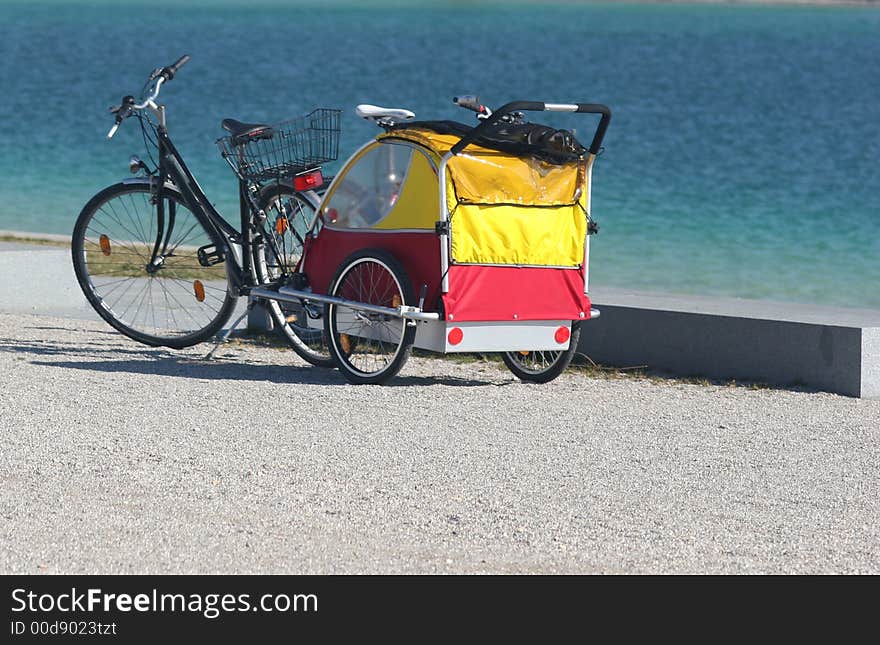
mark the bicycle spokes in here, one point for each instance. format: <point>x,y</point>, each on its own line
<point>159,298</point>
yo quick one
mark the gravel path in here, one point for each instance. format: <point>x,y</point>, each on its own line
<point>120,458</point>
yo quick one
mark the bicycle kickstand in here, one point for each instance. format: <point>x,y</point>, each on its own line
<point>225,335</point>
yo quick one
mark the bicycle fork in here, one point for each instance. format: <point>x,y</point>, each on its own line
<point>163,233</point>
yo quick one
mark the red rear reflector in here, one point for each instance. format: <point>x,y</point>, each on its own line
<point>456,335</point>
<point>562,335</point>
<point>308,181</point>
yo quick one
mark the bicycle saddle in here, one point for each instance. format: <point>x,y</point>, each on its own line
<point>382,115</point>
<point>244,132</point>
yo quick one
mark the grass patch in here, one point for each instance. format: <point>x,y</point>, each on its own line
<point>585,365</point>
<point>36,241</point>
<point>127,260</point>
<point>253,338</point>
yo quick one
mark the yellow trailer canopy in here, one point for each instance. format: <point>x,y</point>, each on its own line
<point>510,210</point>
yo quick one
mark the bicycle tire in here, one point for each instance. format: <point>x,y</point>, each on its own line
<point>282,202</point>
<point>369,348</point>
<point>180,303</point>
<point>543,366</point>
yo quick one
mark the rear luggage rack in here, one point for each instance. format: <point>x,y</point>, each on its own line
<point>287,149</point>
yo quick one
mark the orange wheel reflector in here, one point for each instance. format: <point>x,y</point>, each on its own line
<point>524,352</point>
<point>199,290</point>
<point>562,335</point>
<point>291,318</point>
<point>281,225</point>
<point>395,301</point>
<point>105,244</point>
<point>345,342</point>
<point>456,335</point>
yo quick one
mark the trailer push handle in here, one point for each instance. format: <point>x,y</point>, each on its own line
<point>537,106</point>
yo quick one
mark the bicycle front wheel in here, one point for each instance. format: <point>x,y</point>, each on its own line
<point>142,275</point>
<point>289,217</point>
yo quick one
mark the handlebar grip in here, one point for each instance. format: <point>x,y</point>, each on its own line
<point>524,106</point>
<point>594,108</point>
<point>469,102</point>
<point>171,70</point>
<point>183,60</point>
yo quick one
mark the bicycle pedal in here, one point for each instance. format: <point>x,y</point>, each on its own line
<point>209,255</point>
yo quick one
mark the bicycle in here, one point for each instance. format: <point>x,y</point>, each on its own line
<point>161,265</point>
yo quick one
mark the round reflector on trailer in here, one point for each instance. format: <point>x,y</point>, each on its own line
<point>562,335</point>
<point>456,335</point>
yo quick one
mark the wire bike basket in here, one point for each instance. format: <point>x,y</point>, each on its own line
<point>284,149</point>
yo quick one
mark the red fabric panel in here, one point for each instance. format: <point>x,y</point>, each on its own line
<point>530,293</point>
<point>419,253</point>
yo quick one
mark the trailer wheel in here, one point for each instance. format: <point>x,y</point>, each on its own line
<point>369,347</point>
<point>542,366</point>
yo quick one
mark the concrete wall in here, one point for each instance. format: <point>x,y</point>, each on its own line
<point>734,342</point>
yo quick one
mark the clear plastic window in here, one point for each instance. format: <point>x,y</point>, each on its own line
<point>370,188</point>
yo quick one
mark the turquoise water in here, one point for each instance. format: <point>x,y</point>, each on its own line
<point>743,158</point>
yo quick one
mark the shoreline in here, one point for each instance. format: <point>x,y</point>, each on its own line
<point>806,3</point>
<point>342,4</point>
<point>41,239</point>
<point>669,300</point>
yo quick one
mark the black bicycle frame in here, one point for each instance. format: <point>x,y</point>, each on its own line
<point>173,168</point>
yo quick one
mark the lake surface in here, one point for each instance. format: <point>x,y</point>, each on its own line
<point>743,158</point>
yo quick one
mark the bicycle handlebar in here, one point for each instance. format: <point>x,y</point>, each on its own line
<point>128,106</point>
<point>538,106</point>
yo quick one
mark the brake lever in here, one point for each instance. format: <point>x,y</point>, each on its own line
<point>154,74</point>
<point>122,112</point>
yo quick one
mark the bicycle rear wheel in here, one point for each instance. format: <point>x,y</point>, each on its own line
<point>174,301</point>
<point>288,217</point>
